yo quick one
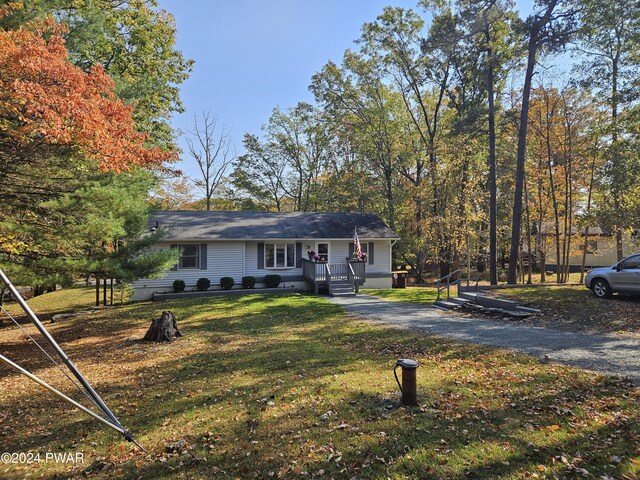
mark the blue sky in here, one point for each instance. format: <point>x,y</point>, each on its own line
<point>253,55</point>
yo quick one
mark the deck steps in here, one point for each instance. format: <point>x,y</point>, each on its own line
<point>468,295</point>
<point>460,300</point>
<point>336,279</point>
<point>447,304</point>
<point>341,288</point>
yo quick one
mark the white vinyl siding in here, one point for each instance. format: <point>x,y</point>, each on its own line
<point>381,254</point>
<point>339,251</point>
<point>224,259</point>
<point>381,257</point>
<point>251,260</point>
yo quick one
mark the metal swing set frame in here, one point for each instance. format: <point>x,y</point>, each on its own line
<point>107,417</point>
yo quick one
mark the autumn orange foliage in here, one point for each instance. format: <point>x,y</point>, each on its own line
<point>45,99</point>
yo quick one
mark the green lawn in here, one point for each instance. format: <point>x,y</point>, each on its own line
<point>288,387</point>
<point>550,277</point>
<point>568,295</point>
<point>422,295</point>
<point>60,301</point>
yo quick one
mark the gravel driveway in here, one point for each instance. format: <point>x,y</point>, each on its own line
<point>606,354</point>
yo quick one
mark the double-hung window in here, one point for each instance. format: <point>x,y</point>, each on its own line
<point>279,255</point>
<point>592,246</point>
<point>189,257</point>
<point>323,251</point>
<point>366,248</point>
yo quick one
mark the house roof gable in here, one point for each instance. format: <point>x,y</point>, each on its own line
<point>217,225</point>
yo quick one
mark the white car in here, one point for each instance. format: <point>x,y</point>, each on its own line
<point>623,277</point>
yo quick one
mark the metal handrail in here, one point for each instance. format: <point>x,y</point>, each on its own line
<point>477,277</point>
<point>457,282</point>
<point>448,285</point>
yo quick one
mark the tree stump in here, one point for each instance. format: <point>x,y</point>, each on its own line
<point>163,329</point>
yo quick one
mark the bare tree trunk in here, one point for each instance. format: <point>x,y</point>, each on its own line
<point>532,49</point>
<point>540,247</point>
<point>390,200</point>
<point>528,232</point>
<point>493,202</point>
<point>586,230</point>
<point>556,222</point>
<point>516,226</point>
<point>569,210</point>
<point>552,187</point>
<point>614,139</point>
<point>567,230</point>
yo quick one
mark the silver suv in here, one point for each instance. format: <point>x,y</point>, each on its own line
<point>623,277</point>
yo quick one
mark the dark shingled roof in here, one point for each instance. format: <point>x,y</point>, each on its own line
<point>203,225</point>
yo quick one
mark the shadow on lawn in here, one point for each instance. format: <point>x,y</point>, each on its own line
<point>115,325</point>
<point>399,441</point>
<point>308,361</point>
<point>107,350</point>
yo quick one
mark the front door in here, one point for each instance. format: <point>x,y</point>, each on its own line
<point>322,250</point>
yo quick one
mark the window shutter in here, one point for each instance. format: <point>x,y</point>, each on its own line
<point>203,256</point>
<point>298,255</point>
<point>175,267</point>
<point>351,249</point>
<point>370,253</point>
<point>260,256</point>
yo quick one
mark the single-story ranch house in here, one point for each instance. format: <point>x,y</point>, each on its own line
<point>216,244</point>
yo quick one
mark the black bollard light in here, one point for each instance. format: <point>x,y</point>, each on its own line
<point>409,384</point>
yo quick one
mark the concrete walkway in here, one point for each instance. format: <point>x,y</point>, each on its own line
<point>606,354</point>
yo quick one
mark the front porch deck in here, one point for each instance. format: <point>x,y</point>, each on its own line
<point>338,278</point>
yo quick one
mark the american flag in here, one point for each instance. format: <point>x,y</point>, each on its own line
<point>357,248</point>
